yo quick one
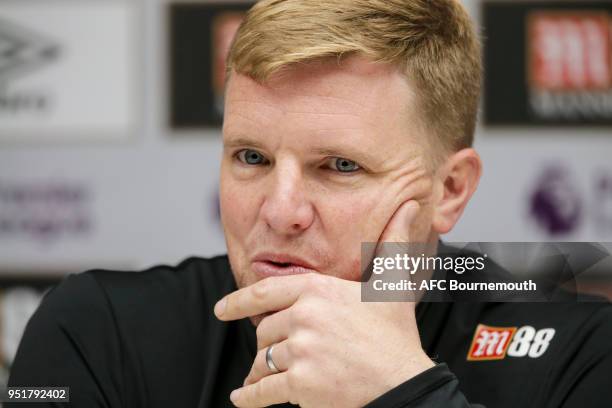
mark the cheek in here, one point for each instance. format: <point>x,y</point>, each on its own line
<point>362,217</point>
<point>237,208</point>
<point>355,219</point>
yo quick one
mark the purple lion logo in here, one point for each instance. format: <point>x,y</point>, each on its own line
<point>555,203</point>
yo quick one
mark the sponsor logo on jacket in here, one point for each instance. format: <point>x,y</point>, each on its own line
<point>495,343</point>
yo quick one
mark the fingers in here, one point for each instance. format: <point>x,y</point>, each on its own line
<point>273,329</point>
<point>270,390</point>
<point>396,240</point>
<point>396,235</point>
<point>398,227</point>
<point>260,369</point>
<point>267,295</point>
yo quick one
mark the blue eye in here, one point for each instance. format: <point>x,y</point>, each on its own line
<point>251,157</point>
<point>344,165</point>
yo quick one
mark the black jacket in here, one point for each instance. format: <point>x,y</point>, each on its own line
<point>150,339</point>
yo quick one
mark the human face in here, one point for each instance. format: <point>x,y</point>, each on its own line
<point>315,162</point>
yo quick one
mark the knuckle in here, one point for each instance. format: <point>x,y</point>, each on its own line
<point>319,286</point>
<point>298,347</point>
<point>261,289</point>
<point>302,314</point>
<point>315,281</point>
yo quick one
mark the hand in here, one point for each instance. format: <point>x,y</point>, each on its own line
<point>331,348</point>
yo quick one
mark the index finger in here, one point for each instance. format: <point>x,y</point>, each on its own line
<point>267,295</point>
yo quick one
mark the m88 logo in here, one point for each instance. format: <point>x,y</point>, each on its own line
<point>494,343</point>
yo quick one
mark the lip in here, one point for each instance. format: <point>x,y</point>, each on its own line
<point>265,265</point>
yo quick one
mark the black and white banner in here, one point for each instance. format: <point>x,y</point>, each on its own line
<point>548,63</point>
<point>68,69</point>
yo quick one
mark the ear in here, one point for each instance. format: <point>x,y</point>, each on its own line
<point>456,182</point>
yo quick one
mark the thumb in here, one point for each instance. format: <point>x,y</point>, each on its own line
<point>398,227</point>
<point>396,240</point>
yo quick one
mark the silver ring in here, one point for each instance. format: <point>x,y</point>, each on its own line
<point>269,360</point>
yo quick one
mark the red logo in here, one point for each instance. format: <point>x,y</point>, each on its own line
<point>490,343</point>
<point>569,50</point>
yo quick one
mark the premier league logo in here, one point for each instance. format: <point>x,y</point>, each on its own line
<point>555,203</point>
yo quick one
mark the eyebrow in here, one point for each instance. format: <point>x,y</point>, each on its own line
<point>242,142</point>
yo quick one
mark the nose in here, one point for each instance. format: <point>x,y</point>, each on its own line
<point>286,208</point>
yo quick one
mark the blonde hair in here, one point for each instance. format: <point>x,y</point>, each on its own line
<point>432,41</point>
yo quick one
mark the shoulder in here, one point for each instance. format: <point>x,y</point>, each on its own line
<point>171,294</point>
<point>593,329</point>
<point>175,295</point>
<point>194,279</point>
<point>106,333</point>
<point>210,275</point>
<point>102,311</point>
<point>567,316</point>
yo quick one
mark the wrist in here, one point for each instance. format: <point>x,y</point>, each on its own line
<point>414,365</point>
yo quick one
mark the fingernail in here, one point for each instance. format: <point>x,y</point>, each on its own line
<point>220,307</point>
<point>234,395</point>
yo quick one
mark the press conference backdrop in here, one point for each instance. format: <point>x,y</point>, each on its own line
<point>110,139</point>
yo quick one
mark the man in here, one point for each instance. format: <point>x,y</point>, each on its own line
<point>346,122</point>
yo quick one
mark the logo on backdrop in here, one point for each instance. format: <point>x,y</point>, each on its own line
<point>560,204</point>
<point>44,212</point>
<point>569,64</point>
<point>549,61</point>
<point>21,52</point>
<point>555,201</point>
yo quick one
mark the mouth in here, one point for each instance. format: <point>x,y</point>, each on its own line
<point>267,264</point>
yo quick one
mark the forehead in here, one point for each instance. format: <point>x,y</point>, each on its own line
<point>356,86</point>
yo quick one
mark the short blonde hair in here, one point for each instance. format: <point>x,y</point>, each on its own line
<point>432,41</point>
